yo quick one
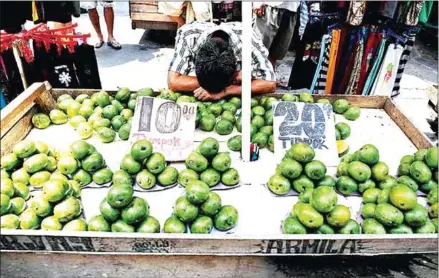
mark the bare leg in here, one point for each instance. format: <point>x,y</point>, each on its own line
<point>56,25</point>
<point>94,18</point>
<point>109,21</point>
<point>180,21</point>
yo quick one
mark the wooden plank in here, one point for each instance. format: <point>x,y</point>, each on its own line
<point>150,17</point>
<point>18,132</point>
<point>45,100</point>
<point>151,25</point>
<point>19,106</point>
<point>225,245</point>
<point>143,8</point>
<point>83,265</point>
<point>360,101</point>
<point>414,134</point>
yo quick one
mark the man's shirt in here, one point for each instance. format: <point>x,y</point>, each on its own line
<point>190,37</point>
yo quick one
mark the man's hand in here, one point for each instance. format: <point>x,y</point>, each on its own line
<point>259,10</point>
<point>202,94</point>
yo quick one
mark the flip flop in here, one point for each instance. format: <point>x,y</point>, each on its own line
<point>99,44</point>
<point>114,44</point>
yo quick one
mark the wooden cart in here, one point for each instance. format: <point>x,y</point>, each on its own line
<point>145,15</point>
<point>16,125</point>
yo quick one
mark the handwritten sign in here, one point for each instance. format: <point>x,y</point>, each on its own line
<point>310,123</point>
<point>169,126</point>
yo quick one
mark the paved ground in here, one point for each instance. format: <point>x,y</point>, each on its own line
<point>143,63</point>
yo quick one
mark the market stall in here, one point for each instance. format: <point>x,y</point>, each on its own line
<point>258,230</point>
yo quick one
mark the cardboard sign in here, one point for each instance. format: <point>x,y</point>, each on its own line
<point>169,126</point>
<point>310,123</point>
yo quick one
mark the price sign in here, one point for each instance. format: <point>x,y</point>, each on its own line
<point>169,126</point>
<point>310,123</point>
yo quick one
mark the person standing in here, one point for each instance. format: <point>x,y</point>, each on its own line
<point>91,7</point>
<point>274,23</point>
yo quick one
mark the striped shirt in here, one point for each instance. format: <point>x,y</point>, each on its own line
<point>190,37</point>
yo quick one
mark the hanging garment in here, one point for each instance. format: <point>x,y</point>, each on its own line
<point>409,11</point>
<point>375,67</point>
<point>372,44</point>
<point>425,11</point>
<point>86,67</point>
<point>344,55</point>
<point>319,82</point>
<point>356,68</point>
<point>356,12</point>
<point>334,47</point>
<point>10,78</point>
<point>404,59</point>
<point>385,80</point>
<point>321,75</point>
<point>346,68</point>
<point>388,8</point>
<point>307,58</point>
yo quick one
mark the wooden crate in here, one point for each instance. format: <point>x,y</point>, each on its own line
<point>16,124</point>
<point>145,15</point>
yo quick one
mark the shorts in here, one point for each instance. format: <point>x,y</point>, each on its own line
<point>194,10</point>
<point>276,29</point>
<point>94,4</point>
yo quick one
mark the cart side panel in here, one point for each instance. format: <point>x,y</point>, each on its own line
<point>186,245</point>
<point>17,132</point>
<point>414,134</point>
<point>15,110</point>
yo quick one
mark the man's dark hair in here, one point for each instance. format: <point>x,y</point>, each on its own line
<point>215,65</point>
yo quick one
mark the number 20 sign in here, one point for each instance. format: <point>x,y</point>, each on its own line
<point>169,126</point>
<point>310,123</point>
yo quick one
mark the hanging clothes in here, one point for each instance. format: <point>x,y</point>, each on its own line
<point>347,64</point>
<point>370,50</point>
<point>319,82</point>
<point>403,61</point>
<point>375,67</point>
<point>426,11</point>
<point>357,8</point>
<point>10,79</point>
<point>341,68</point>
<point>86,67</point>
<point>356,68</point>
<point>385,80</point>
<point>408,12</point>
<point>388,8</point>
<point>334,47</point>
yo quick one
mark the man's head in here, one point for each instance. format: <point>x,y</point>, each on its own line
<point>215,65</point>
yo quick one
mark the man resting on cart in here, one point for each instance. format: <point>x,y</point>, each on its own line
<point>207,62</point>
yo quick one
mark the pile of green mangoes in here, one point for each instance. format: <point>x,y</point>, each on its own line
<point>419,171</point>
<point>122,212</point>
<point>363,172</point>
<point>202,210</point>
<point>221,116</point>
<point>149,167</point>
<point>318,212</point>
<point>396,210</point>
<point>209,165</point>
<point>342,106</point>
<point>261,128</point>
<point>299,171</point>
<point>101,113</point>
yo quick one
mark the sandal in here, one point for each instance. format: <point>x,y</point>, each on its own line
<point>114,44</point>
<point>99,44</point>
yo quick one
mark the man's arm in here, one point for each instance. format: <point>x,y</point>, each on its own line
<point>182,83</point>
<point>260,86</point>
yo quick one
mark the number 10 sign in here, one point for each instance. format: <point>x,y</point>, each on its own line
<point>169,126</point>
<point>310,123</point>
